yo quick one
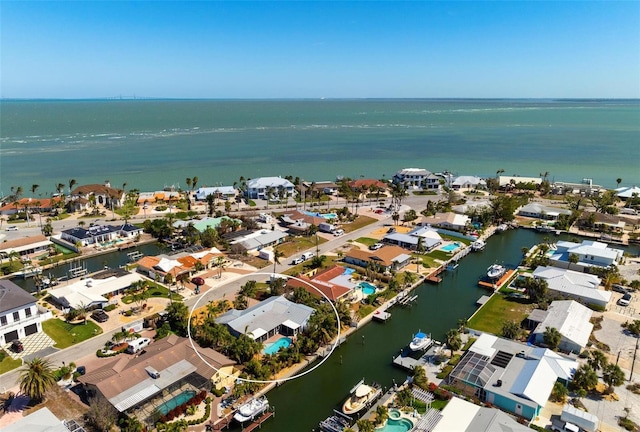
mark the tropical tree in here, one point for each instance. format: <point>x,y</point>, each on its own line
<point>177,317</point>
<point>511,330</point>
<point>72,183</point>
<point>453,340</point>
<point>559,392</point>
<point>613,376</point>
<point>277,254</point>
<point>552,337</point>
<point>618,181</point>
<point>249,289</point>
<point>585,378</point>
<point>598,360</point>
<point>420,377</point>
<point>365,425</point>
<point>409,278</point>
<point>36,378</point>
<point>382,414</point>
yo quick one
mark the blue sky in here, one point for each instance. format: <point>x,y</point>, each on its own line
<point>75,49</point>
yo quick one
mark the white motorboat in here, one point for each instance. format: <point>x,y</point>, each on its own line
<point>361,397</point>
<point>420,342</point>
<point>252,409</point>
<point>478,245</point>
<point>495,271</point>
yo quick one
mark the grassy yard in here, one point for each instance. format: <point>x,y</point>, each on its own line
<point>154,290</point>
<point>361,222</point>
<point>298,244</point>
<point>498,310</point>
<point>66,334</point>
<point>456,239</point>
<point>7,363</point>
<point>367,241</point>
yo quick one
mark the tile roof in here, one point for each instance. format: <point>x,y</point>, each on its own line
<point>24,241</point>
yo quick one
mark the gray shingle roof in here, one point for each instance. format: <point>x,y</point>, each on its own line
<point>13,297</point>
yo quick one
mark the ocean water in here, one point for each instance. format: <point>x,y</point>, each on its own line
<point>151,144</point>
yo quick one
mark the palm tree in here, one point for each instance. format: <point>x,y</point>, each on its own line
<point>453,340</point>
<point>613,376</point>
<point>276,258</point>
<point>72,183</point>
<point>618,181</point>
<point>194,182</point>
<point>36,378</point>
<point>598,360</point>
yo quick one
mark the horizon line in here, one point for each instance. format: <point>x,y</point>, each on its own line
<point>146,98</point>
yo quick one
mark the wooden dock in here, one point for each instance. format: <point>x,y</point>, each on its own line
<point>409,363</point>
<point>434,277</point>
<point>381,315</point>
<point>497,284</point>
<point>258,423</point>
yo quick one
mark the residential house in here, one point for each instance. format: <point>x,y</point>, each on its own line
<point>468,182</point>
<point>139,385</point>
<point>275,315</point>
<point>449,220</point>
<point>514,377</point>
<point>257,240</point>
<point>585,187</point>
<point>415,178</point>
<point>222,192</point>
<point>42,420</point>
<point>158,197</point>
<point>511,181</point>
<point>624,193</point>
<point>462,416</point>
<point>425,237</point>
<point>589,253</point>
<point>93,292</point>
<point>104,195</point>
<point>208,222</point>
<point>260,187</point>
<point>603,222</point>
<point>20,315</point>
<point>570,284</point>
<point>571,319</point>
<point>387,258</point>
<point>299,222</point>
<point>472,206</point>
<point>25,246</point>
<point>333,283</point>
<point>325,187</point>
<point>99,234</point>
<point>32,205</point>
<point>539,211</point>
<point>368,186</point>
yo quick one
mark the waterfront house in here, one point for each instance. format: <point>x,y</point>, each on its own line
<point>414,178</point>
<point>257,240</point>
<point>570,318</point>
<point>143,386</point>
<point>506,182</point>
<point>426,236</point>
<point>92,235</point>
<point>596,221</point>
<point>158,197</point>
<point>334,282</point>
<point>589,253</point>
<point>260,187</point>
<point>539,211</point>
<point>208,222</point>
<point>462,416</point>
<point>325,187</point>
<point>221,192</point>
<point>387,258</point>
<point>468,182</point>
<point>158,267</point>
<point>570,284</point>
<point>515,377</point>
<point>275,315</point>
<point>93,292</point>
<point>25,246</point>
<point>104,195</point>
<point>32,205</point>
<point>20,315</point>
<point>472,206</point>
<point>368,185</point>
<point>585,187</point>
<point>624,193</point>
<point>448,220</point>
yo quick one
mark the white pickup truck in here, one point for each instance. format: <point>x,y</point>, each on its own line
<point>563,426</point>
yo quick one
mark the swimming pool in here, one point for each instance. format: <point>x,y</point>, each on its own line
<point>450,247</point>
<point>367,288</point>
<point>273,348</point>
<point>322,215</point>
<point>164,408</point>
<point>400,425</point>
<point>348,271</point>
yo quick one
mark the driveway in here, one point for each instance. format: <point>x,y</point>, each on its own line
<point>35,345</point>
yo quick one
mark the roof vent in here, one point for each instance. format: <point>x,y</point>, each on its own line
<point>499,383</point>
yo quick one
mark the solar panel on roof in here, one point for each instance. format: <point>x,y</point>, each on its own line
<point>502,359</point>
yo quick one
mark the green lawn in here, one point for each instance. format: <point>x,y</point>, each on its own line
<point>154,290</point>
<point>7,363</point>
<point>66,334</point>
<point>360,222</point>
<point>367,241</point>
<point>298,244</point>
<point>497,311</point>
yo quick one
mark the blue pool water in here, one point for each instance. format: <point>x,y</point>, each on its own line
<point>348,271</point>
<point>402,425</point>
<point>273,348</point>
<point>450,247</point>
<point>175,401</point>
<point>367,288</point>
<point>322,215</point>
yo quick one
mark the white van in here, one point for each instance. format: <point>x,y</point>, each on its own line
<point>307,255</point>
<point>138,344</point>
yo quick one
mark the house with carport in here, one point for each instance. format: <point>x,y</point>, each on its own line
<point>449,220</point>
<point>387,258</point>
<point>570,318</point>
<point>147,386</point>
<point>275,315</point>
<point>515,377</point>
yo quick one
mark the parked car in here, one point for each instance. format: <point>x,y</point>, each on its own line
<point>100,316</point>
<point>375,246</point>
<point>618,288</point>
<point>625,300</point>
<point>307,255</point>
<point>298,260</point>
<point>16,346</point>
<point>338,232</point>
<point>391,230</point>
<point>81,370</point>
<point>12,228</point>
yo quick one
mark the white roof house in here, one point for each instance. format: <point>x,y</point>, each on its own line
<point>589,252</point>
<point>540,211</point>
<point>257,188</point>
<point>92,292</point>
<point>225,192</point>
<point>505,180</point>
<point>462,416</point>
<point>627,192</point>
<point>430,238</point>
<point>260,239</point>
<point>571,319</point>
<point>42,420</point>
<point>573,284</point>
<point>468,182</point>
<point>447,220</point>
<point>412,177</point>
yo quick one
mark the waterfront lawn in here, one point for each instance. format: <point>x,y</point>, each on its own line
<point>498,310</point>
<point>464,241</point>
<point>427,261</point>
<point>7,363</point>
<point>367,241</point>
<point>65,334</point>
<point>440,255</point>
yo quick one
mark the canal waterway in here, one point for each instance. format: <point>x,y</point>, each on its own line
<point>302,403</point>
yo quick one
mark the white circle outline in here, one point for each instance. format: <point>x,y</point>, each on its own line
<point>298,375</point>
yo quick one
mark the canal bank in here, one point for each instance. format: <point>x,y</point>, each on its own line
<point>302,403</point>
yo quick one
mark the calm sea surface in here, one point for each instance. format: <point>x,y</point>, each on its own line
<point>150,144</point>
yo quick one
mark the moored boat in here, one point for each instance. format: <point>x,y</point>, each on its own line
<point>361,397</point>
<point>478,245</point>
<point>495,271</point>
<point>420,341</point>
<point>251,409</point>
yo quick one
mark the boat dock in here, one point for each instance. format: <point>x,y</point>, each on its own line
<point>434,277</point>
<point>258,423</point>
<point>336,423</point>
<point>409,363</point>
<point>134,256</point>
<point>497,284</point>
<point>381,315</point>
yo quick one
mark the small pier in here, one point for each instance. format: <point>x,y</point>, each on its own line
<point>336,423</point>
<point>497,284</point>
<point>258,423</point>
<point>77,271</point>
<point>134,256</point>
<point>407,300</point>
<point>381,315</point>
<point>409,363</point>
<point>434,277</point>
